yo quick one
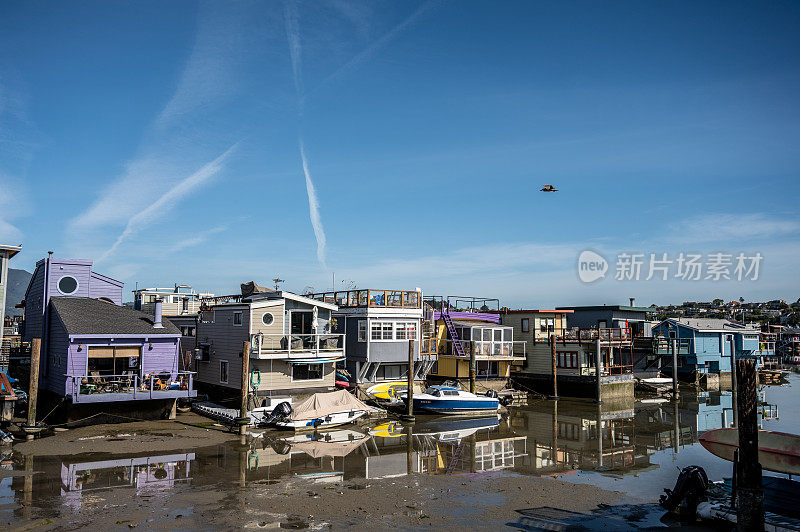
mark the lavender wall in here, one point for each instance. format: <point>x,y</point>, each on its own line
<point>163,356</point>
<point>79,269</point>
<point>55,363</point>
<point>34,298</point>
<point>102,286</point>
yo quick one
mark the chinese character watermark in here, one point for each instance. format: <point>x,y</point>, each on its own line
<point>662,267</point>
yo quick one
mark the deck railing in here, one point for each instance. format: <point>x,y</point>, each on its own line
<point>295,345</point>
<point>499,349</point>
<point>371,298</point>
<point>579,334</point>
<point>663,346</point>
<point>134,385</point>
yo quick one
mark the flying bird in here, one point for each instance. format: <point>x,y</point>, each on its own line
<point>548,188</point>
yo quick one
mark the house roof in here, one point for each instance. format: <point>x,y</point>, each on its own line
<point>537,310</point>
<point>478,323</point>
<point>85,315</point>
<point>282,294</point>
<point>12,250</point>
<point>623,308</point>
<point>710,325</point>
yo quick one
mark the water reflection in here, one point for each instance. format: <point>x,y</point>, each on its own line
<point>626,445</point>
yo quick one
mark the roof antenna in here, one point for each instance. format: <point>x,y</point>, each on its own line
<point>277,282</point>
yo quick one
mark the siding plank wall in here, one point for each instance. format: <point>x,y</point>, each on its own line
<point>226,344</point>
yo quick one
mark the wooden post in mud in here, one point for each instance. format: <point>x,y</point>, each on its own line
<point>734,384</point>
<point>554,357</point>
<point>410,406</point>
<point>409,449</point>
<point>473,367</point>
<point>245,384</point>
<point>598,367</point>
<point>750,491</point>
<point>675,367</point>
<point>676,416</point>
<point>33,390</point>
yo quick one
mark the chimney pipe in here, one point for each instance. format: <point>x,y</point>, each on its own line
<point>633,301</point>
<point>157,321</point>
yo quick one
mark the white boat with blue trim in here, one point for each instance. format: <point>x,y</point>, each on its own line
<point>453,401</point>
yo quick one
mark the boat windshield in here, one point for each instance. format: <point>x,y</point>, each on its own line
<point>432,391</point>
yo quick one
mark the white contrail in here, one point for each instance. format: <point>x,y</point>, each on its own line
<point>186,186</point>
<point>313,209</point>
<point>355,62</point>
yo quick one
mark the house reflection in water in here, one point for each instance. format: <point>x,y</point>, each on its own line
<point>573,434</point>
<point>145,474</point>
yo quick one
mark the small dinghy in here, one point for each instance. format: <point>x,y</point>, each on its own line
<point>658,385</point>
<point>777,451</point>
<point>452,401</point>
<point>319,410</point>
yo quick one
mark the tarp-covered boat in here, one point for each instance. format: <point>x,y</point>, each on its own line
<point>320,410</point>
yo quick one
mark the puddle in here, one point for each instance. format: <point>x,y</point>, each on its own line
<point>633,447</point>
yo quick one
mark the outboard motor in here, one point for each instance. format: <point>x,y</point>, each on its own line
<point>690,490</point>
<point>492,394</point>
<point>280,413</point>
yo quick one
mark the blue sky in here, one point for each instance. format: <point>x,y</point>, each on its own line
<point>402,144</point>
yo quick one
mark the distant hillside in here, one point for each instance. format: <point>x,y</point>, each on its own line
<point>17,284</point>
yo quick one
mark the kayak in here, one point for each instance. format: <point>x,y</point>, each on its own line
<point>777,451</point>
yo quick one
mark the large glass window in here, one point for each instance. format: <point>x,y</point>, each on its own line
<point>307,372</point>
<point>362,330</point>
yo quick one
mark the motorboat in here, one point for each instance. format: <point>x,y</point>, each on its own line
<point>449,429</point>
<point>453,401</point>
<point>392,391</point>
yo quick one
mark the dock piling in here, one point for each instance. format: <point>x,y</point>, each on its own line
<point>33,391</point>
<point>245,384</point>
<point>675,367</point>
<point>750,491</point>
<point>554,356</point>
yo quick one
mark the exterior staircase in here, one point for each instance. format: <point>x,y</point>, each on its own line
<point>451,330</point>
<point>456,457</point>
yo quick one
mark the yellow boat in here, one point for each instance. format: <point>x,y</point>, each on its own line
<point>388,391</point>
<point>391,429</point>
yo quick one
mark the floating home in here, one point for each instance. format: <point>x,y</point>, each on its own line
<point>464,327</point>
<point>576,356</point>
<point>95,353</point>
<point>293,350</point>
<point>704,347</point>
<point>635,319</point>
<point>378,325</point>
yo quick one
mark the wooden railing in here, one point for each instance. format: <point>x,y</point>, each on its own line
<point>371,298</point>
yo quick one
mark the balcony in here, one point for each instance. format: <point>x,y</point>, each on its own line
<point>485,350</point>
<point>291,346</point>
<point>663,346</point>
<point>130,387</point>
<point>371,298</point>
<point>605,335</point>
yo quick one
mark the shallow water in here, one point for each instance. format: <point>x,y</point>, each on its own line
<point>641,449</point>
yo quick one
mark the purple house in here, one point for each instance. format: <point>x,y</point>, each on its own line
<point>94,350</point>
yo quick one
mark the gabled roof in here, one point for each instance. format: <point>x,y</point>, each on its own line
<point>84,315</point>
<point>281,294</point>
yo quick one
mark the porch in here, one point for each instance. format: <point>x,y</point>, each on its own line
<point>97,388</point>
<point>300,346</point>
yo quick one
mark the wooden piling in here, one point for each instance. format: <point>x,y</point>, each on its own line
<point>598,369</point>
<point>734,385</point>
<point>410,406</point>
<point>750,491</point>
<point>554,357</point>
<point>473,367</point>
<point>245,384</point>
<point>33,389</point>
<point>675,367</point>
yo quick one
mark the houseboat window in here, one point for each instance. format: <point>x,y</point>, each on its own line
<point>526,324</point>
<point>390,371</point>
<point>405,331</point>
<point>113,360</point>
<point>223,371</point>
<point>362,330</point>
<point>381,330</point>
<point>547,324</point>
<point>237,318</point>
<point>185,305</point>
<point>267,318</point>
<point>67,285</point>
<point>306,372</point>
<point>567,360</point>
<point>488,368</point>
